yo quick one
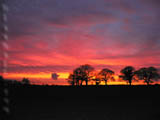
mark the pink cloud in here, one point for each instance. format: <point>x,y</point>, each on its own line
<point>74,47</point>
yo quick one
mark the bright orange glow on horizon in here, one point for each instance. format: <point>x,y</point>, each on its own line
<point>62,76</point>
<point>36,75</point>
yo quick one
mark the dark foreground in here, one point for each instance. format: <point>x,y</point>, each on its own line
<point>85,103</point>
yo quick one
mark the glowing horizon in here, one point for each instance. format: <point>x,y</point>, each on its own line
<point>39,78</point>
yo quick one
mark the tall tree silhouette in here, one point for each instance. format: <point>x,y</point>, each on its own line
<point>127,74</point>
<point>86,70</point>
<point>148,74</point>
<point>107,74</point>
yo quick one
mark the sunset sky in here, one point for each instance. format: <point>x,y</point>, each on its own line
<point>47,36</point>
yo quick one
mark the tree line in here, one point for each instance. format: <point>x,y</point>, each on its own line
<point>24,81</point>
<point>85,74</point>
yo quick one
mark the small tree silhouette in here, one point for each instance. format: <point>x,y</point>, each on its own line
<point>107,74</point>
<point>72,79</point>
<point>127,74</point>
<point>147,74</point>
<point>25,81</point>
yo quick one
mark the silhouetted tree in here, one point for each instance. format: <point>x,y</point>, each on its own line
<point>86,70</point>
<point>25,81</point>
<point>79,76</point>
<point>72,79</point>
<point>127,74</point>
<point>107,74</point>
<point>147,74</point>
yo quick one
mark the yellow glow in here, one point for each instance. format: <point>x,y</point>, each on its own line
<point>114,83</point>
<point>116,77</point>
<point>63,75</point>
<point>35,75</point>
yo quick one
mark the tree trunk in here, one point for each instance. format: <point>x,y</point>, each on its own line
<point>105,82</point>
<point>72,83</point>
<point>78,83</point>
<point>81,83</point>
<point>148,83</point>
<point>97,83</point>
<point>86,82</point>
<point>130,82</point>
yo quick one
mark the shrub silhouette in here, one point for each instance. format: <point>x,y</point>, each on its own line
<point>25,81</point>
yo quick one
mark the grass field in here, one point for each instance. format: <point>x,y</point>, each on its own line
<point>85,103</point>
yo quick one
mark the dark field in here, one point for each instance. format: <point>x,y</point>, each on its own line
<point>85,103</point>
